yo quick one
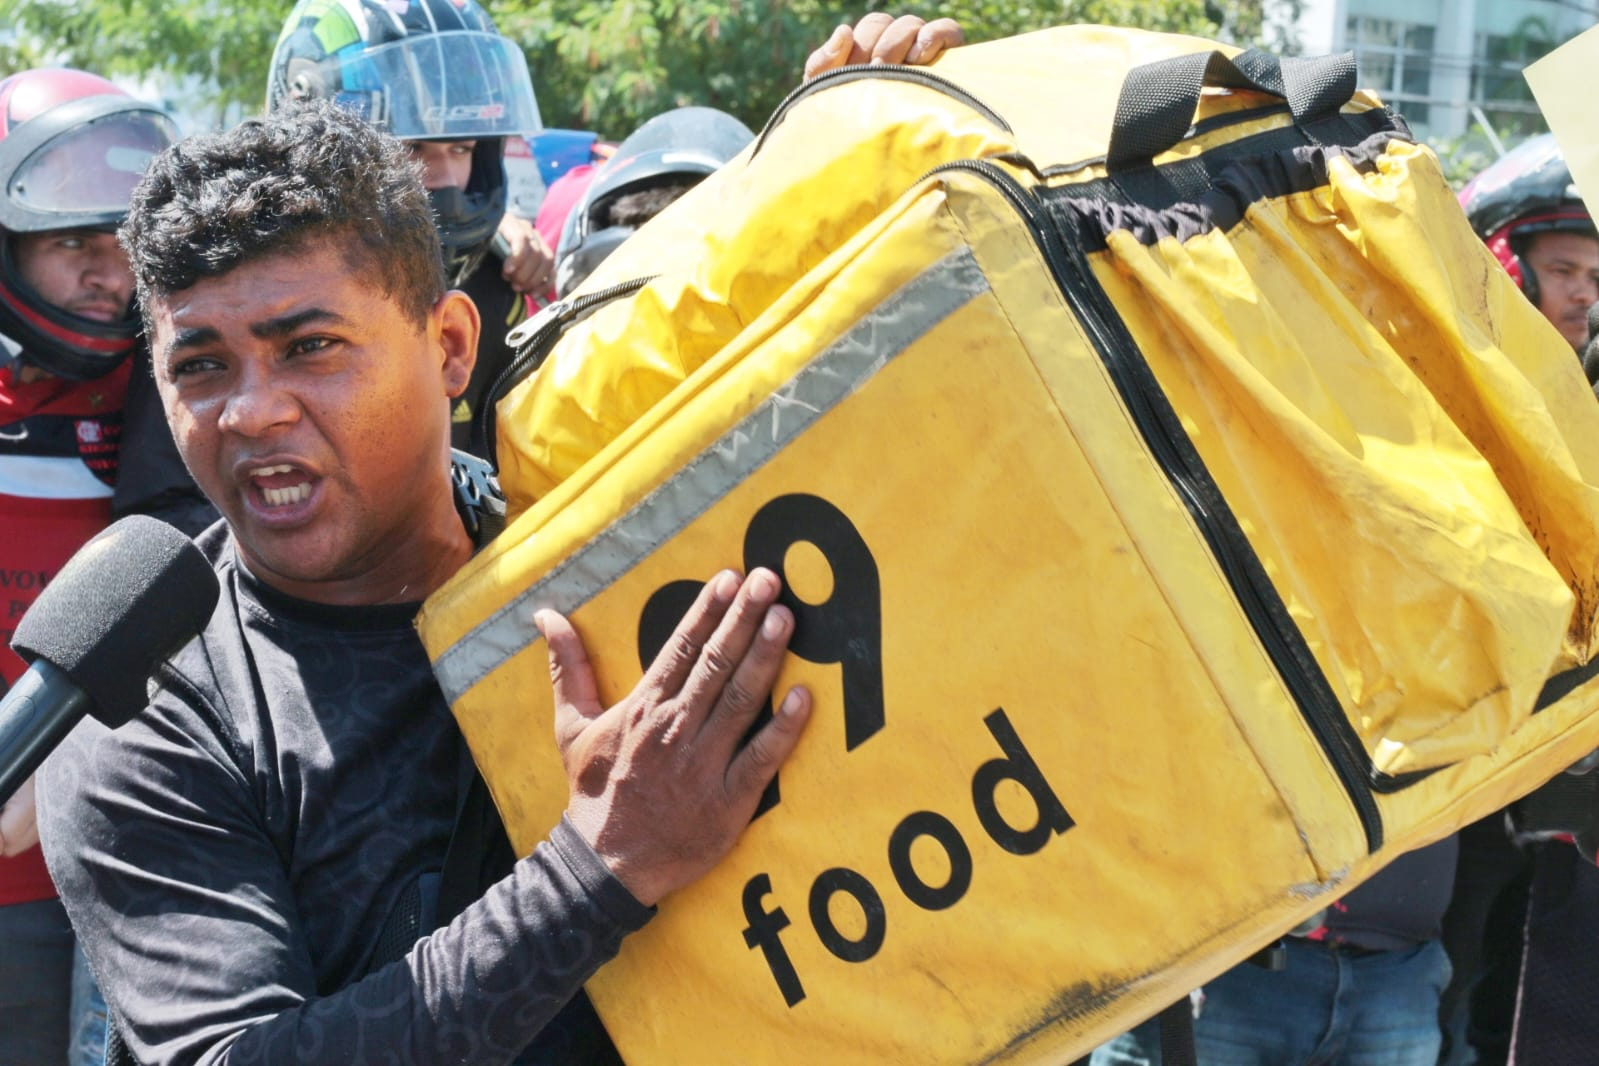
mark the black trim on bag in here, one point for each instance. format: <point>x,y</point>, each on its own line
<point>1386,784</point>
<point>1564,684</point>
<point>1059,239</point>
<point>1233,190</point>
<point>1170,184</point>
<point>1554,690</point>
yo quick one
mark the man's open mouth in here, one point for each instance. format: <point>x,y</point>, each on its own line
<point>281,485</point>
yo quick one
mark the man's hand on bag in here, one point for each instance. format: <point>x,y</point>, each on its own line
<point>881,38</point>
<point>662,784</point>
<point>19,830</point>
<point>529,265</point>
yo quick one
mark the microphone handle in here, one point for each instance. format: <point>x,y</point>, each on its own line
<point>36,714</point>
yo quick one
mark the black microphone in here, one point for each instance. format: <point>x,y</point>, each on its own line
<point>129,599</point>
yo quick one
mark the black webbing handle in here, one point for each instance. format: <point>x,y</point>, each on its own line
<point>1158,100</point>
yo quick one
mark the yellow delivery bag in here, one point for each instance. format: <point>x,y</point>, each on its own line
<point>1182,513</point>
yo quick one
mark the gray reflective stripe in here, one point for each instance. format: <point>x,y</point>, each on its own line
<point>843,367</point>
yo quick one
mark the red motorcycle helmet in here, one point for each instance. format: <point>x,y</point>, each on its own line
<point>72,147</point>
<point>1526,192</point>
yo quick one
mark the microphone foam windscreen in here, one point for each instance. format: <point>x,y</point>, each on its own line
<point>129,599</point>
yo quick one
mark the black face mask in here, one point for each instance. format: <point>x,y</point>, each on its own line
<point>467,218</point>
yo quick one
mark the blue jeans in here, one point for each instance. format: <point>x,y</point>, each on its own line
<point>1326,1008</point>
<point>86,1043</point>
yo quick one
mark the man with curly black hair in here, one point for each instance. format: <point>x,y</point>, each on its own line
<point>288,856</point>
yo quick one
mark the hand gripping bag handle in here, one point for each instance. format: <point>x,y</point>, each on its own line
<point>1158,99</point>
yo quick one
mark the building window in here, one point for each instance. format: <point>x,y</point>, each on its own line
<point>1395,61</point>
<point>1497,84</point>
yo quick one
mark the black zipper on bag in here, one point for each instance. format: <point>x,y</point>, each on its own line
<point>532,341</point>
<point>881,71</point>
<point>1177,458</point>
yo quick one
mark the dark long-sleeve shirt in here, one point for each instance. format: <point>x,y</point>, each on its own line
<point>234,857</point>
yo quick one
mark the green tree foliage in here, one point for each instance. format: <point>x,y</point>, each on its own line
<point>610,65</point>
<point>605,65</point>
<point>223,45</point>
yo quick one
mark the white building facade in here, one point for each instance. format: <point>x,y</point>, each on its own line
<point>1447,65</point>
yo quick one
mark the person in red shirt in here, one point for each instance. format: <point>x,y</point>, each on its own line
<point>72,146</point>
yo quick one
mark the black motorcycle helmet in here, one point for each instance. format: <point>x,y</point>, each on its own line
<point>72,147</point>
<point>672,151</point>
<point>423,70</point>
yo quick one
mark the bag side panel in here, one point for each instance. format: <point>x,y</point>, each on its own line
<point>838,168</point>
<point>1039,575</point>
<point>1356,487</point>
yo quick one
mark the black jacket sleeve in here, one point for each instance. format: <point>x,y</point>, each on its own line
<point>183,906</point>
<point>502,309</point>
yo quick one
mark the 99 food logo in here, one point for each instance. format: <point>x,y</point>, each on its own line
<point>846,630</point>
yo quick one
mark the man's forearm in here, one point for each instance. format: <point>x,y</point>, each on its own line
<point>477,991</point>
